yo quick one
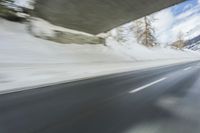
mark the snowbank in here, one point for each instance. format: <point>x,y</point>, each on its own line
<point>17,46</point>
<point>141,53</point>
<point>26,61</point>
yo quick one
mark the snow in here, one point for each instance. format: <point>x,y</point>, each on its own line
<point>140,53</point>
<point>27,62</point>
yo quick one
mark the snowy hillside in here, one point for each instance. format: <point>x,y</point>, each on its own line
<point>17,46</point>
<point>29,61</point>
<point>141,53</point>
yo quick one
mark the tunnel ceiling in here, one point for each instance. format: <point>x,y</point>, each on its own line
<point>96,16</point>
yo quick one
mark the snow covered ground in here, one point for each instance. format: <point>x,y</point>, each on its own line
<point>27,62</point>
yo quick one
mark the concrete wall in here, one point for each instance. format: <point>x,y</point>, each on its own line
<point>68,38</point>
<point>96,16</point>
<point>43,29</point>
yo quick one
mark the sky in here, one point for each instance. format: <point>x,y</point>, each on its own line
<point>184,17</point>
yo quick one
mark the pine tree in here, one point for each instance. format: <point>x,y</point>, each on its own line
<point>144,31</point>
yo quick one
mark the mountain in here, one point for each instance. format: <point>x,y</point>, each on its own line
<point>194,43</point>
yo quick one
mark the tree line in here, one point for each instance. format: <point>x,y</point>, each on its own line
<point>144,32</point>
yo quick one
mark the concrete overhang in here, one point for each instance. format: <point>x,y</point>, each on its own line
<point>96,16</point>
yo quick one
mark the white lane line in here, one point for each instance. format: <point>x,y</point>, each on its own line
<point>147,85</point>
<point>188,68</point>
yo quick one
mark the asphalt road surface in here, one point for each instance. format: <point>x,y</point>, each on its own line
<point>157,100</point>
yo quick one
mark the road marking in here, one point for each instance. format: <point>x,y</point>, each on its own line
<point>188,68</point>
<point>147,85</point>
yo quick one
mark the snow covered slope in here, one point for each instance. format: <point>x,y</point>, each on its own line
<point>141,53</point>
<point>28,61</point>
<point>17,46</point>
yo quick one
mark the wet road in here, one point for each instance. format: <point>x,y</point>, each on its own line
<point>163,99</point>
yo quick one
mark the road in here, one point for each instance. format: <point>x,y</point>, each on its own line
<point>156,100</point>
